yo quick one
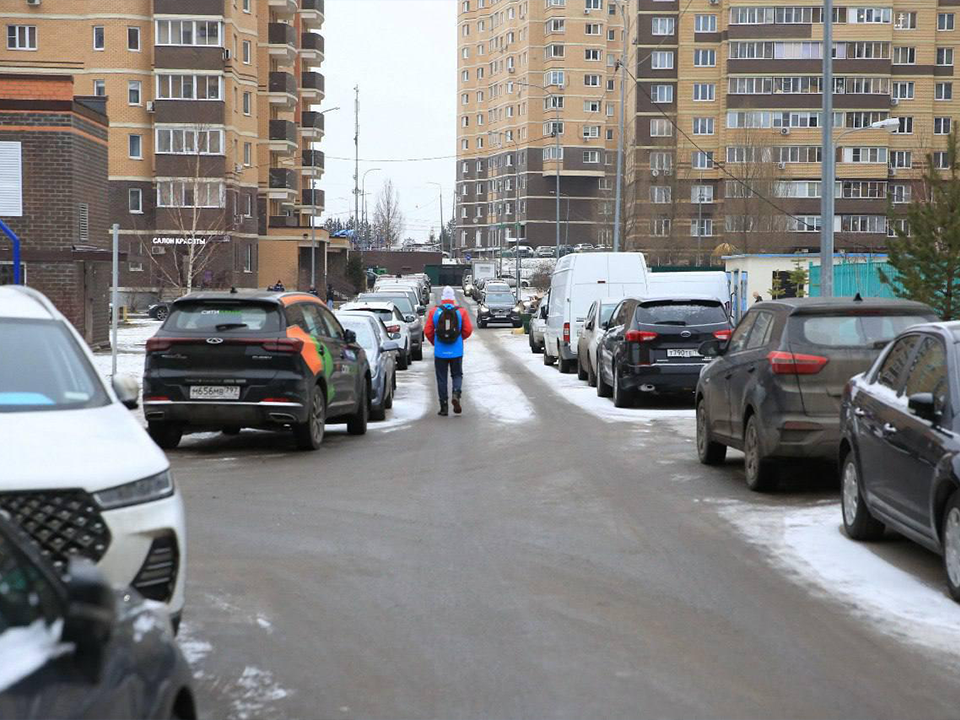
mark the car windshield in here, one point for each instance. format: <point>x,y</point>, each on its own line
<point>403,303</point>
<point>850,330</point>
<point>696,312</point>
<point>365,335</point>
<point>499,298</point>
<point>43,368</point>
<point>224,317</point>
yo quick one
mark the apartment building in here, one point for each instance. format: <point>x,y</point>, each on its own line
<point>212,158</point>
<point>538,106</point>
<point>725,147</point>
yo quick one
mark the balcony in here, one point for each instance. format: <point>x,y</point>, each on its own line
<point>311,126</point>
<point>312,201</point>
<point>283,185</point>
<point>283,8</point>
<point>311,14</point>
<point>282,43</point>
<point>282,90</point>
<point>283,137</point>
<point>312,164</point>
<point>284,221</point>
<point>311,87</point>
<point>311,48</point>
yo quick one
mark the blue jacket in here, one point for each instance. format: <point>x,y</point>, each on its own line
<point>442,349</point>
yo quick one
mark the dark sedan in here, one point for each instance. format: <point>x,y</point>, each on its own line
<point>75,647</point>
<point>774,390</point>
<point>900,446</point>
<point>651,346</point>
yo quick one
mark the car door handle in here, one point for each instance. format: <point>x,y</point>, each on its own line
<point>889,429</point>
<point>859,412</point>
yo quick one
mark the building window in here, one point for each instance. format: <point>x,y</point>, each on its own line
<point>941,126</point>
<point>944,56</point>
<point>661,194</point>
<point>248,258</point>
<point>591,157</point>
<point>591,131</point>
<point>189,87</point>
<point>661,60</point>
<point>133,92</point>
<point>905,21</point>
<point>134,266</point>
<point>903,90</point>
<point>703,126</point>
<point>943,91</point>
<point>592,54</point>
<point>660,227</point>
<point>188,32</point>
<point>704,58</point>
<point>704,92</point>
<point>905,127</point>
<point>900,193</point>
<point>705,24</point>
<point>901,158</point>
<point>245,47</point>
<point>190,193</point>
<point>944,21</point>
<point>21,37</point>
<point>136,147</point>
<point>663,25</point>
<point>554,77</point>
<point>591,106</point>
<point>701,194</point>
<point>246,6</point>
<point>133,39</point>
<point>135,201</point>
<point>98,37</point>
<point>661,94</point>
<point>661,127</point>
<point>248,154</point>
<point>701,160</point>
<point>701,228</point>
<point>591,80</point>
<point>100,88</point>
<point>247,103</point>
<point>904,55</point>
<point>594,29</point>
<point>189,141</point>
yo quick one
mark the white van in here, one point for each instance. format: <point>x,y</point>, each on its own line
<point>577,281</point>
<point>700,283</point>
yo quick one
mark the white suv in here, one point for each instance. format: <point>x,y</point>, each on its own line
<point>79,473</point>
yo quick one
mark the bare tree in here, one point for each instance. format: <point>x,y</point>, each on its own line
<point>388,222</point>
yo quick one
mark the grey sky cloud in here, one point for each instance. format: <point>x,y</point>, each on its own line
<point>402,54</point>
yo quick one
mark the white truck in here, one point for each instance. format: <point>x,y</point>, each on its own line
<point>483,270</point>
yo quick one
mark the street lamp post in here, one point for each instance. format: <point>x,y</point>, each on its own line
<point>363,193</point>
<point>623,89</point>
<point>440,187</point>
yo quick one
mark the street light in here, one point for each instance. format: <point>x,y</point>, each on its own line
<point>429,182</point>
<point>363,194</point>
<point>828,193</point>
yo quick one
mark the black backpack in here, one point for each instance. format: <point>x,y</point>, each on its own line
<point>448,325</point>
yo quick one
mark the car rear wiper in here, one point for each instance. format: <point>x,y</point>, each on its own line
<point>231,326</point>
<point>678,323</point>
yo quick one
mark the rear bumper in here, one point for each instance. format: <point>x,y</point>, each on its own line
<point>665,379</point>
<point>568,351</point>
<point>206,413</point>
<point>802,436</point>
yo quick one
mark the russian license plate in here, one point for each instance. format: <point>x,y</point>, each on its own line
<point>683,353</point>
<point>215,392</point>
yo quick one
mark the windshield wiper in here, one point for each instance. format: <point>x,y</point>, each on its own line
<point>231,326</point>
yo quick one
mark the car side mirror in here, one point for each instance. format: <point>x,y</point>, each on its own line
<point>349,337</point>
<point>409,318</point>
<point>712,348</point>
<point>127,389</point>
<point>390,346</point>
<point>605,325</point>
<point>924,406</point>
<point>543,313</point>
<point>90,617</point>
<point>421,310</point>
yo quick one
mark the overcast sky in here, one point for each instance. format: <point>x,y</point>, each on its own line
<point>402,54</point>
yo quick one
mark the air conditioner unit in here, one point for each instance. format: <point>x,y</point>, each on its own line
<point>891,171</point>
<point>894,101</point>
<point>33,2</point>
<point>226,54</point>
<point>237,167</point>
<point>586,11</point>
<point>784,131</point>
<point>714,2</point>
<point>157,250</point>
<point>151,106</point>
<point>781,166</point>
<point>654,172</point>
<point>511,70</point>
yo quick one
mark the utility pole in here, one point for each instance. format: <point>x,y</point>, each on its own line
<point>828,155</point>
<point>623,92</point>
<point>356,168</point>
<point>115,300</point>
<point>440,188</point>
<point>556,133</point>
<point>699,217</point>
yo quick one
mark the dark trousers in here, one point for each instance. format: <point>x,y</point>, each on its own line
<point>456,372</point>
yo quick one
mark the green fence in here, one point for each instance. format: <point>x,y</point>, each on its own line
<point>856,277</point>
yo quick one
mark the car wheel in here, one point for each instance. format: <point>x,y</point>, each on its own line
<point>621,398</point>
<point>309,435</point>
<point>709,452</point>
<point>388,402</point>
<point>547,360</point>
<point>951,545</point>
<point>857,520</point>
<point>162,313</point>
<point>379,412</point>
<point>533,345</point>
<point>603,390</point>
<point>591,374</point>
<point>418,352</point>
<point>166,435</point>
<point>760,471</point>
<point>581,373</point>
<point>402,361</point>
<point>357,424</point>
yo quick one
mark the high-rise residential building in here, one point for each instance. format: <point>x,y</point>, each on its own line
<point>211,104</point>
<point>538,105</point>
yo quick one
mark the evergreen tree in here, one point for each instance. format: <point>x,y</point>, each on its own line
<point>355,273</point>
<point>925,254</point>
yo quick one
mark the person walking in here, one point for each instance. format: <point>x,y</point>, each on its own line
<point>448,325</point>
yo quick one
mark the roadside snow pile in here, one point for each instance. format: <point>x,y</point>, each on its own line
<point>810,545</point>
<point>131,349</point>
<point>486,386</point>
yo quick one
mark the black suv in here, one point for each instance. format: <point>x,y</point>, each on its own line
<point>229,360</point>
<point>76,647</point>
<point>651,346</point>
<point>774,390</point>
<point>498,306</point>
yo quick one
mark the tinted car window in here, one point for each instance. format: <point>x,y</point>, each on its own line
<point>681,313</point>
<point>606,311</point>
<point>499,297</point>
<point>43,368</point>
<point>928,371</point>
<point>738,341</point>
<point>401,301</point>
<point>365,335</point>
<point>223,317</point>
<point>850,330</point>
<point>332,325</point>
<point>314,323</point>
<point>892,370</point>
<point>762,329</point>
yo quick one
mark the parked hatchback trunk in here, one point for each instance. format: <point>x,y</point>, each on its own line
<point>774,390</point>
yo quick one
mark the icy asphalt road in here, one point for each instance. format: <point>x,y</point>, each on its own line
<point>541,556</point>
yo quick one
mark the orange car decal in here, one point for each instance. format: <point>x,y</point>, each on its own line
<point>312,352</point>
<point>291,299</point>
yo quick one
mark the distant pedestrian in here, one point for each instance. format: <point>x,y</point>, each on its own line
<point>448,325</point>
<point>278,287</point>
<point>757,297</point>
<point>330,296</point>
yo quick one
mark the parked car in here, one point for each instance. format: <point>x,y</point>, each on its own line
<point>576,282</point>
<point>395,316</point>
<point>400,288</point>
<point>71,645</point>
<point>589,340</point>
<point>381,350</point>
<point>899,449</point>
<point>498,307</point>
<point>537,323</point>
<point>106,492</point>
<point>230,360</point>
<point>547,251</point>
<point>774,388</point>
<point>583,247</point>
<point>652,346</point>
<point>159,310</point>
<point>411,314</point>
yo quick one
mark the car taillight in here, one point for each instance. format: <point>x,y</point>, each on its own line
<point>723,334</point>
<point>393,328</point>
<point>566,332</point>
<point>158,344</point>
<point>787,363</point>
<point>286,345</point>
<point>156,398</point>
<point>640,336</point>
<point>277,400</point>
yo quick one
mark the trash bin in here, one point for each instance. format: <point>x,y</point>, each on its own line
<point>525,319</point>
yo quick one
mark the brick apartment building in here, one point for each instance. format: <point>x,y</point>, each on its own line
<point>212,158</point>
<point>54,146</point>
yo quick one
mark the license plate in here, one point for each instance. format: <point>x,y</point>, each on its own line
<point>683,353</point>
<point>215,392</point>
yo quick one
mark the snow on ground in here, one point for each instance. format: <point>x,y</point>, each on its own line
<point>485,386</point>
<point>413,397</point>
<point>582,395</point>
<point>131,347</point>
<point>810,545</point>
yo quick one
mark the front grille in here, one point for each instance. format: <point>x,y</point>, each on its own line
<point>64,523</point>
<point>158,575</point>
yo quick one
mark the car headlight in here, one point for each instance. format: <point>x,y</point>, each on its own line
<point>148,489</point>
